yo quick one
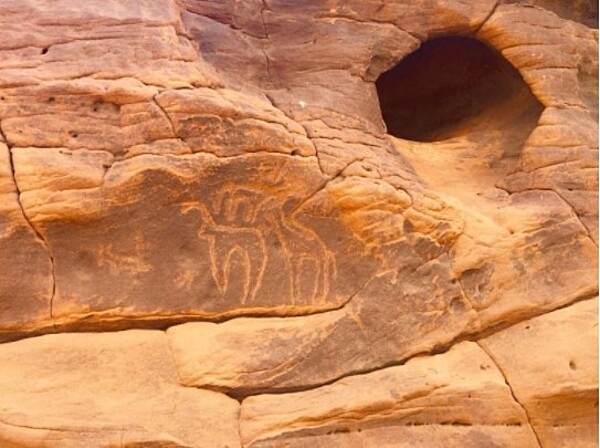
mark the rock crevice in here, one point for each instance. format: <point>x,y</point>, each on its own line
<point>37,233</point>
<point>533,429</point>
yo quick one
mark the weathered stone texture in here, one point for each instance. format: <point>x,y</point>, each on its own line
<point>459,388</point>
<point>551,363</point>
<point>113,389</point>
<point>371,223</point>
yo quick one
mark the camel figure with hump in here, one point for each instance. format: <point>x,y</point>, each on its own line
<point>238,228</point>
<point>308,261</point>
<point>226,244</point>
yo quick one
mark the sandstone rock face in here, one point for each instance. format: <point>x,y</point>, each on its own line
<point>112,389</point>
<point>370,223</point>
<point>562,354</point>
<point>459,388</point>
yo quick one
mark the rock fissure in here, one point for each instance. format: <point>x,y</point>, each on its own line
<point>165,114</point>
<point>467,299</point>
<point>341,139</point>
<point>44,49</point>
<point>562,199</point>
<point>262,46</point>
<point>37,233</point>
<point>551,67</point>
<point>264,7</point>
<point>487,18</point>
<point>577,215</point>
<point>437,350</point>
<point>334,126</point>
<point>371,21</point>
<point>163,323</point>
<point>239,424</point>
<point>274,104</point>
<point>504,325</point>
<point>540,25</point>
<point>569,105</point>
<point>125,160</point>
<point>523,44</point>
<point>42,428</point>
<point>512,392</point>
<point>231,26</point>
<point>319,189</point>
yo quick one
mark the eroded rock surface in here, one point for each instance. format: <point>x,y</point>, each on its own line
<point>551,363</point>
<point>113,389</point>
<point>461,388</point>
<point>313,201</point>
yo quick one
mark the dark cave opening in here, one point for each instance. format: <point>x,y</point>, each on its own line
<point>442,88</point>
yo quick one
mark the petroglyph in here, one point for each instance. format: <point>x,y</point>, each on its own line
<point>244,227</point>
<point>307,258</point>
<point>227,243</point>
<point>117,259</point>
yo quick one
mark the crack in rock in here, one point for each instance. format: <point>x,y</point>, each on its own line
<point>37,233</point>
<point>436,350</point>
<point>512,392</point>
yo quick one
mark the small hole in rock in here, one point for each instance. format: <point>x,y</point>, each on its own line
<point>51,99</point>
<point>451,86</point>
<point>44,50</point>
<point>73,134</point>
<point>572,365</point>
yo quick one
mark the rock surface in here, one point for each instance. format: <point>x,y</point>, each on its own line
<point>112,389</point>
<point>459,390</point>
<point>558,350</point>
<point>336,211</point>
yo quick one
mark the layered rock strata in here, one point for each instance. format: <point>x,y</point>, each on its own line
<point>367,222</point>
